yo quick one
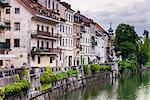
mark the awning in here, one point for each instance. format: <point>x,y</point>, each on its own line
<point>98,57</point>
<point>7,57</point>
<point>92,58</point>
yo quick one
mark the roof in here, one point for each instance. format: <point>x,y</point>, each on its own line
<point>68,6</point>
<point>36,8</point>
<point>84,19</point>
<point>100,28</point>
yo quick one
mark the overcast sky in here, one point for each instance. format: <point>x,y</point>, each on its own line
<point>133,12</point>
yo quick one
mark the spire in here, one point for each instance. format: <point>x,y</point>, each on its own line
<point>110,30</point>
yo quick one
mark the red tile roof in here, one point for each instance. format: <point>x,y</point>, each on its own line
<point>100,28</point>
<point>36,8</point>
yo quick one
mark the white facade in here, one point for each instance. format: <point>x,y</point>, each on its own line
<point>44,36</point>
<point>66,35</point>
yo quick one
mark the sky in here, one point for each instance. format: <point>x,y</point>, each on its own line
<point>133,12</point>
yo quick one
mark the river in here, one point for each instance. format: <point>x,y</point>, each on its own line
<point>136,87</point>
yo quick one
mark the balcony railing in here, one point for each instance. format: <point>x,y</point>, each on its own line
<point>45,51</point>
<point>4,3</point>
<point>4,46</point>
<point>45,35</point>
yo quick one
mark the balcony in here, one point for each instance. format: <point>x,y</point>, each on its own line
<point>45,51</point>
<point>45,35</point>
<point>4,3</point>
<point>4,46</point>
<point>94,43</point>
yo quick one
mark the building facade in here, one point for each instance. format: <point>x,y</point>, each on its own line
<point>48,33</point>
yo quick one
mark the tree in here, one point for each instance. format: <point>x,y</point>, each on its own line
<point>144,50</point>
<point>126,42</point>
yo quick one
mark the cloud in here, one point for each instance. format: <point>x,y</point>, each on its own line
<point>133,12</point>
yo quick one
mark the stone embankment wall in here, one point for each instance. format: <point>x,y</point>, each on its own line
<point>72,83</point>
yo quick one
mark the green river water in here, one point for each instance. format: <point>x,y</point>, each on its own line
<point>136,87</point>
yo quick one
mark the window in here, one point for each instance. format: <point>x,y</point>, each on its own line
<point>60,27</point>
<point>8,26</point>
<point>38,27</point>
<point>66,16</point>
<point>53,6</point>
<point>69,18</point>
<point>52,31</point>
<point>63,29</point>
<point>49,3</point>
<point>1,62</point>
<point>39,60</point>
<point>51,60</point>
<point>8,42</point>
<point>38,44</point>
<point>17,10</point>
<point>42,44</point>
<point>69,29</point>
<point>47,29</point>
<point>66,29</point>
<point>60,40</point>
<point>8,11</point>
<point>17,26</point>
<point>16,42</point>
<point>42,28</point>
<point>47,45</point>
<point>66,42</point>
<point>63,42</point>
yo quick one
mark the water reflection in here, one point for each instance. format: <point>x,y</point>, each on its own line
<point>135,87</point>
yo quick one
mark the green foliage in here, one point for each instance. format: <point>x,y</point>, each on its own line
<point>2,90</point>
<point>17,78</point>
<point>126,41</point>
<point>48,69</point>
<point>26,71</point>
<point>106,67</point>
<point>147,64</point>
<point>95,67</point>
<point>16,87</point>
<point>144,51</point>
<point>86,69</point>
<point>45,86</point>
<point>46,78</point>
<point>61,75</point>
<point>129,64</point>
<point>72,72</point>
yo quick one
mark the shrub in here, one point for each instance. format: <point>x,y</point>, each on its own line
<point>72,72</point>
<point>61,75</point>
<point>86,69</point>
<point>95,67</point>
<point>129,64</point>
<point>106,67</point>
<point>16,87</point>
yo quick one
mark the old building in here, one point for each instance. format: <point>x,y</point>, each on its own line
<point>102,42</point>
<point>66,34</point>
<point>33,33</point>
<point>41,33</point>
<point>4,43</point>
<point>77,38</point>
